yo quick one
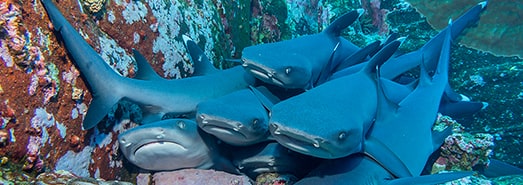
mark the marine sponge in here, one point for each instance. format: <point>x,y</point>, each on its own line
<point>94,6</point>
<point>499,28</point>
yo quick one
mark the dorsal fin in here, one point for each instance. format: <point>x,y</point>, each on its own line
<point>343,22</point>
<point>359,56</point>
<point>392,37</point>
<point>266,98</point>
<point>145,70</point>
<point>394,92</point>
<point>201,63</point>
<point>383,55</point>
<point>327,70</point>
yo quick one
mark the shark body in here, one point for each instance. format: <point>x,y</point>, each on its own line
<point>361,169</point>
<point>408,123</point>
<point>452,103</point>
<point>238,118</point>
<point>303,62</point>
<point>397,146</point>
<point>271,157</point>
<point>158,96</point>
<point>330,121</point>
<point>172,144</point>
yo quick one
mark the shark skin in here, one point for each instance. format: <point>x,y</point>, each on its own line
<point>238,118</point>
<point>452,102</point>
<point>401,138</point>
<point>361,169</point>
<point>201,63</point>
<point>302,62</point>
<point>271,157</point>
<point>330,121</point>
<point>158,97</point>
<point>169,144</point>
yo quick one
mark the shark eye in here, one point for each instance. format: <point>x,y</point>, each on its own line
<point>181,124</point>
<point>342,136</point>
<point>288,70</point>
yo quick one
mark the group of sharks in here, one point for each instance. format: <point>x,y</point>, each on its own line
<point>317,107</point>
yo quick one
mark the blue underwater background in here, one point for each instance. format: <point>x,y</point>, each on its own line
<point>43,98</point>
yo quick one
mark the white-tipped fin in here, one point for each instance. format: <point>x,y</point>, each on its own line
<point>483,4</point>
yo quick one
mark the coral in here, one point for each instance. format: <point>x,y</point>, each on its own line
<point>462,151</point>
<point>134,11</point>
<point>77,163</point>
<point>373,7</point>
<point>10,40</point>
<point>275,179</point>
<point>268,18</point>
<point>498,31</point>
<point>4,138</point>
<point>94,6</point>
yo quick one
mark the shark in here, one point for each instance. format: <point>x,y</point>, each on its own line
<point>302,62</point>
<point>397,146</point>
<point>171,144</point>
<point>401,138</point>
<point>453,103</point>
<point>156,96</point>
<point>271,157</point>
<point>330,120</point>
<point>238,118</point>
<point>361,169</point>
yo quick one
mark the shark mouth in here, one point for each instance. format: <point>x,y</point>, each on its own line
<point>263,73</point>
<point>220,128</point>
<point>301,143</point>
<point>170,147</point>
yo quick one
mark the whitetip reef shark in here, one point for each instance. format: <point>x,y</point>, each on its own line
<point>302,62</point>
<point>453,104</point>
<point>271,157</point>
<point>400,141</point>
<point>238,118</point>
<point>172,144</point>
<point>408,123</point>
<point>156,95</point>
<point>330,120</point>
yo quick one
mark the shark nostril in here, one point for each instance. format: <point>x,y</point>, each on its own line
<point>276,129</point>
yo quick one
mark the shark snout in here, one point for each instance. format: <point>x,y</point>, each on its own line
<point>301,142</point>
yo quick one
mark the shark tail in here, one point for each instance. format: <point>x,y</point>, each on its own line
<point>98,109</point>
<point>99,75</point>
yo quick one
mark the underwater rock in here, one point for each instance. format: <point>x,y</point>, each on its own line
<point>197,176</point>
<point>65,177</point>
<point>499,29</point>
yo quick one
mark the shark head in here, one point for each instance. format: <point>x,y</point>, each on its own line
<point>327,143</point>
<point>239,129</point>
<point>281,63</point>
<point>271,157</point>
<point>165,145</point>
